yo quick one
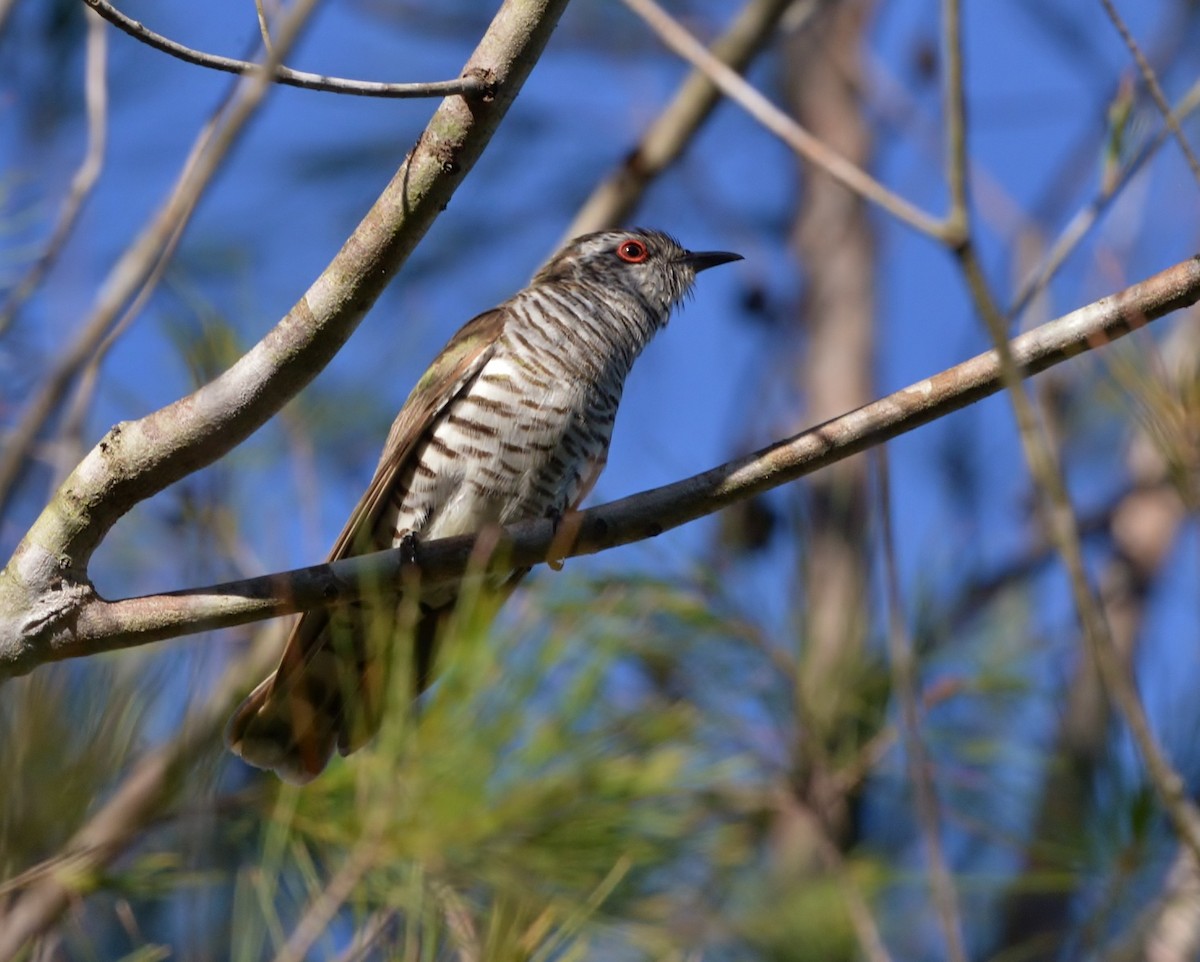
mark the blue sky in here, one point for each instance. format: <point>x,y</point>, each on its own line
<point>312,162</point>
<point>1039,73</point>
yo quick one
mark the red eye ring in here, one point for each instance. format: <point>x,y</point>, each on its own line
<point>632,251</point>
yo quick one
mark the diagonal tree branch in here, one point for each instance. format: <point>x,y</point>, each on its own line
<point>615,197</point>
<point>45,585</point>
<point>942,888</point>
<point>1153,86</point>
<point>1081,224</point>
<point>1058,513</point>
<point>152,784</point>
<point>138,262</point>
<point>95,625</point>
<point>746,96</point>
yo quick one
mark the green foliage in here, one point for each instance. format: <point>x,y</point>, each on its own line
<point>66,733</point>
<point>799,923</point>
<point>504,803</point>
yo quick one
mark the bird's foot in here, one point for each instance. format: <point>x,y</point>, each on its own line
<point>408,548</point>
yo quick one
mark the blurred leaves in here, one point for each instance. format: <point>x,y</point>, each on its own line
<point>66,734</point>
<point>623,766</point>
<point>528,818</point>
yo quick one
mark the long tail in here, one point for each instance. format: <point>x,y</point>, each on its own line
<point>328,691</point>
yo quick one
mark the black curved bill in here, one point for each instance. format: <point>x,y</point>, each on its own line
<point>703,260</point>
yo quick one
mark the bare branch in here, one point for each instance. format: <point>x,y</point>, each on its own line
<point>955,97</point>
<point>737,89</point>
<point>45,581</point>
<point>139,261</point>
<point>1152,85</point>
<point>464,86</point>
<point>322,910</point>
<point>904,684</point>
<point>1087,217</point>
<point>614,198</point>
<point>263,29</point>
<point>1061,523</point>
<point>91,624</point>
<point>1064,532</point>
<point>142,795</point>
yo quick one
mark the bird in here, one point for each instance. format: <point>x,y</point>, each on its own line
<point>511,422</point>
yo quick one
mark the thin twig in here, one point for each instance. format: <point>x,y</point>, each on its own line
<point>465,86</point>
<point>945,895</point>
<point>67,454</point>
<point>1064,532</point>
<point>614,198</point>
<point>87,624</point>
<point>131,271</point>
<point>1064,529</point>
<point>366,935</point>
<point>737,89</point>
<point>264,30</point>
<point>1087,217</point>
<point>954,97</point>
<point>86,176</point>
<point>1151,81</point>
<point>322,910</point>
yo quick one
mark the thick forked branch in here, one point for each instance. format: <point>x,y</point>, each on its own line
<point>100,625</point>
<point>44,586</point>
<point>132,277</point>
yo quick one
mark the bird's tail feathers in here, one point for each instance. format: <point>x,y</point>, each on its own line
<point>327,692</point>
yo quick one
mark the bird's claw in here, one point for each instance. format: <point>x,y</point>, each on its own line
<point>555,517</point>
<point>408,548</point>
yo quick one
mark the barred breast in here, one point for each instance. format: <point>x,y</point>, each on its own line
<point>529,434</point>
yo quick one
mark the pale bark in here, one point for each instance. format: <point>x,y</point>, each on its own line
<point>45,588</point>
<point>96,625</point>
<point>835,249</point>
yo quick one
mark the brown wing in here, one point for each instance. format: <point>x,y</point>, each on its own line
<point>292,720</point>
<point>451,371</point>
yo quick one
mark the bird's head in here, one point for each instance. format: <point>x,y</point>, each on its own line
<point>649,264</point>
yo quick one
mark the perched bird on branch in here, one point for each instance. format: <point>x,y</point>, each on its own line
<point>511,422</point>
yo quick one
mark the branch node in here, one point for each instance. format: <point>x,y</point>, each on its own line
<point>484,83</point>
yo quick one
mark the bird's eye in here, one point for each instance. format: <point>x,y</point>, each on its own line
<point>632,251</point>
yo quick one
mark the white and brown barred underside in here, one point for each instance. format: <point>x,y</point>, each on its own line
<point>529,435</point>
